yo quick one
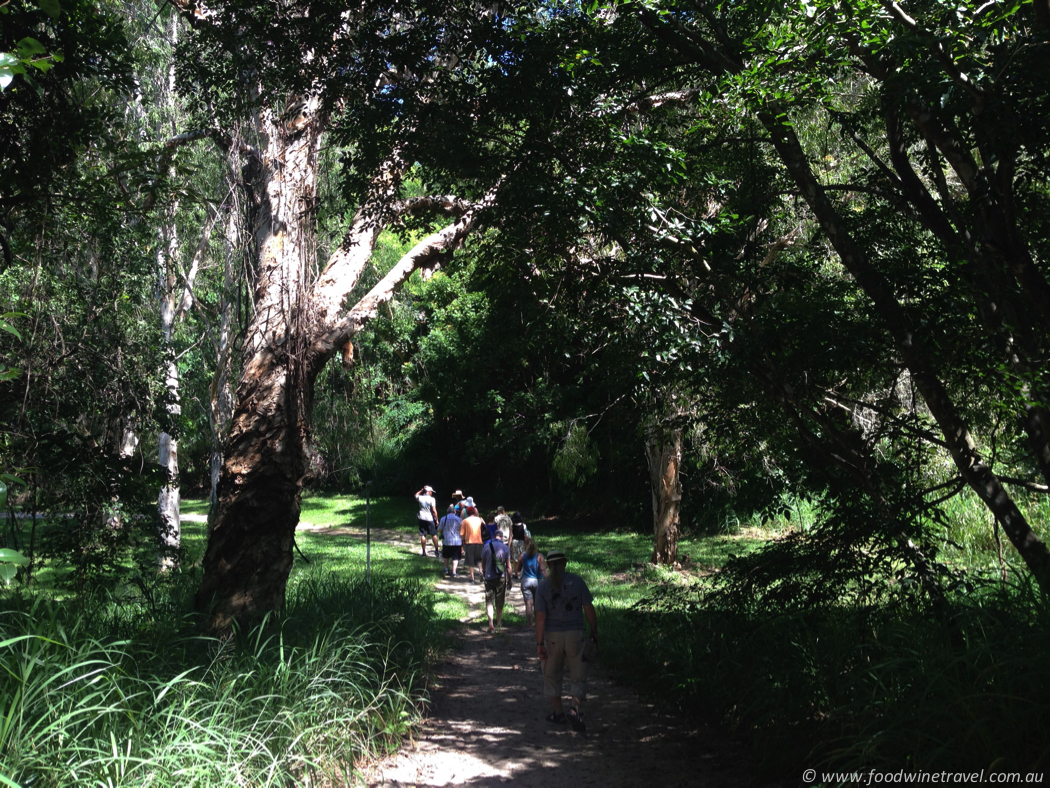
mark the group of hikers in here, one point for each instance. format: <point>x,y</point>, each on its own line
<point>556,602</point>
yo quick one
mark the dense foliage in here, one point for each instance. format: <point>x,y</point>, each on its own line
<point>773,258</point>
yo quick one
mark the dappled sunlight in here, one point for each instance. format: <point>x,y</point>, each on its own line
<point>487,726</point>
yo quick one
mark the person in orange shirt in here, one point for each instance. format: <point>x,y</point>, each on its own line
<point>472,525</point>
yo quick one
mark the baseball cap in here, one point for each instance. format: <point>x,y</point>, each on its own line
<point>428,488</point>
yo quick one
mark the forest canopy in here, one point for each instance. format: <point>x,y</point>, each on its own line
<point>659,260</point>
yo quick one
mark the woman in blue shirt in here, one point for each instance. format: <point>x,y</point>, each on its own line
<point>532,568</point>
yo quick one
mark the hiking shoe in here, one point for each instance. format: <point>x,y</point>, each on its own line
<point>576,718</point>
<point>556,718</point>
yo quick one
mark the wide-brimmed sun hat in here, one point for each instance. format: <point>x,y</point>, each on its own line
<point>457,494</point>
<point>556,557</point>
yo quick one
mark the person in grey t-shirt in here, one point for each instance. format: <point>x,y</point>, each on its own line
<point>563,601</point>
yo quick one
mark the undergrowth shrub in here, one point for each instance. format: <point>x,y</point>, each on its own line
<point>107,694</point>
<point>854,686</point>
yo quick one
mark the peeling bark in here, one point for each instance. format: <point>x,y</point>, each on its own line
<point>663,451</point>
<point>297,326</point>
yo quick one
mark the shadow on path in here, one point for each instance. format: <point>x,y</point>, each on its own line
<point>486,725</point>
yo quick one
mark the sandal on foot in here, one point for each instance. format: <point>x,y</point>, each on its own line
<point>577,720</point>
<point>557,718</point>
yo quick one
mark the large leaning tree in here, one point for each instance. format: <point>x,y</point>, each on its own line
<point>298,72</point>
<point>961,156</point>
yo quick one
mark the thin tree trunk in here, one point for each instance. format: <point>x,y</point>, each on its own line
<point>663,451</point>
<point>168,502</point>
<point>957,436</point>
<point>169,525</point>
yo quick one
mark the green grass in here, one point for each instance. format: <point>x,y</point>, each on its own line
<point>93,694</point>
<point>117,689</point>
<point>332,550</point>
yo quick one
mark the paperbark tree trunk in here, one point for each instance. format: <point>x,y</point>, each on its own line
<point>249,552</point>
<point>169,526</point>
<point>297,326</point>
<point>663,450</point>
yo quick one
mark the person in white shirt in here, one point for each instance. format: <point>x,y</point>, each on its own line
<point>427,518</point>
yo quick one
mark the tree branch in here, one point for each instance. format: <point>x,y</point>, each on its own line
<point>172,144</point>
<point>346,264</point>
<point>427,254</point>
<point>942,55</point>
<point>190,279</point>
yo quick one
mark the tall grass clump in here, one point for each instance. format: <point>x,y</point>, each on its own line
<point>304,698</point>
<point>884,685</point>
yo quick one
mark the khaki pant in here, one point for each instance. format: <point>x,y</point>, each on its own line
<point>565,648</point>
<point>496,591</point>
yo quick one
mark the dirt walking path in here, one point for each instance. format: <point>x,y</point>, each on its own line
<point>486,724</point>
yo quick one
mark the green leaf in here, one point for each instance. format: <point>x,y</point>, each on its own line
<point>29,47</point>
<point>8,572</point>
<point>9,556</point>
<point>50,7</point>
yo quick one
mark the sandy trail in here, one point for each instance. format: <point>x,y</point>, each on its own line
<point>486,723</point>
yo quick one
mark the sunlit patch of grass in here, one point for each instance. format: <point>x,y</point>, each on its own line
<point>194,506</point>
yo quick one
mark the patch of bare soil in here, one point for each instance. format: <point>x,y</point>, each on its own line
<point>486,724</point>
